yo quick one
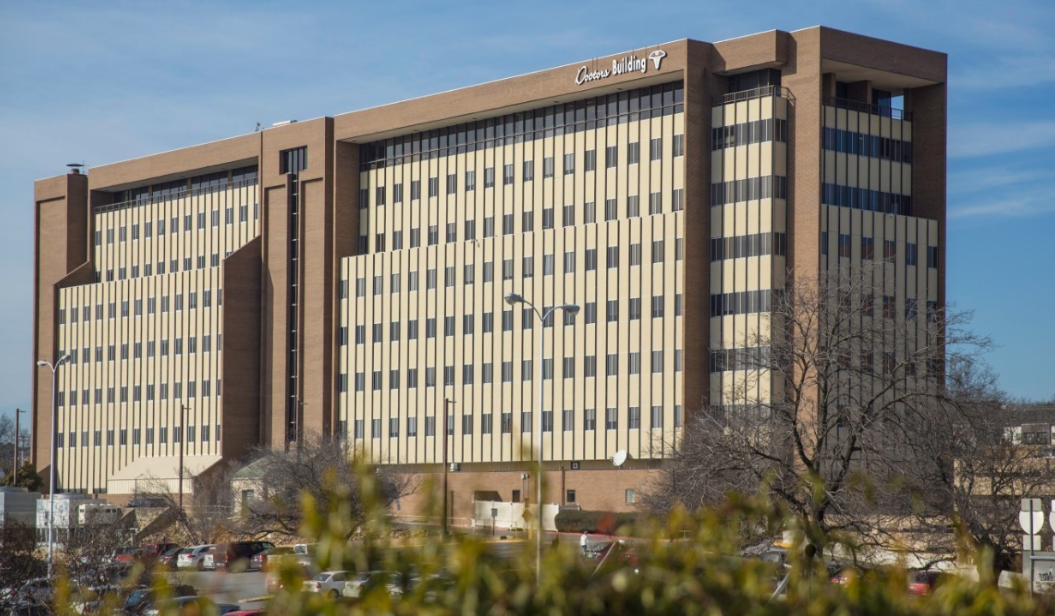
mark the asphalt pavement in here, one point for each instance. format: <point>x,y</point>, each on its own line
<point>224,587</point>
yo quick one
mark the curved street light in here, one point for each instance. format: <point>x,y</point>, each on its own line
<point>512,299</point>
<point>51,482</point>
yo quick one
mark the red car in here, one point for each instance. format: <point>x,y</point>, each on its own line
<point>125,556</point>
<point>922,583</point>
<point>845,576</point>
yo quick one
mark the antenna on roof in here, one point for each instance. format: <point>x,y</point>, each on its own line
<point>257,129</point>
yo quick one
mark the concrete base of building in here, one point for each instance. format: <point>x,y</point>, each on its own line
<point>589,488</point>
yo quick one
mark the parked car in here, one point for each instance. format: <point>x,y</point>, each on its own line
<point>234,556</point>
<point>168,559</point>
<point>124,555</point>
<point>327,583</point>
<point>259,561</point>
<point>273,579</point>
<point>107,574</point>
<point>29,609</point>
<point>150,552</point>
<point>366,581</point>
<point>845,576</point>
<point>37,590</point>
<point>89,599</point>
<point>305,552</point>
<point>191,606</point>
<point>193,558</point>
<point>147,502</point>
<point>429,587</point>
<point>143,598</point>
<point>596,551</point>
<point>924,582</point>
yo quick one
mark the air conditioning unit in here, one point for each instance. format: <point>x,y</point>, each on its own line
<point>455,467</point>
<point>575,466</point>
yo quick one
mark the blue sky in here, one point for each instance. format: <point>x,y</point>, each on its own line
<point>103,82</point>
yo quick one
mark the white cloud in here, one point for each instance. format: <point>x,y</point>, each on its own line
<point>1025,71</point>
<point>983,139</point>
<point>1021,200</point>
<point>1009,208</point>
<point>974,180</point>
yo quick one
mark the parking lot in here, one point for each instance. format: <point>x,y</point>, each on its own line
<point>236,588</point>
<point>223,587</point>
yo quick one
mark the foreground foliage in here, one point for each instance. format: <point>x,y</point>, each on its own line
<point>682,564</point>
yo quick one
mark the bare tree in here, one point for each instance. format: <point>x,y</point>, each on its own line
<point>18,558</point>
<point>322,468</point>
<point>979,475</point>
<point>205,514</point>
<point>7,443</point>
<point>823,408</point>
<point>89,548</point>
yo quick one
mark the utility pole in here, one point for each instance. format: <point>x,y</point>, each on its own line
<point>300,404</point>
<point>14,463</point>
<point>182,444</point>
<point>446,402</point>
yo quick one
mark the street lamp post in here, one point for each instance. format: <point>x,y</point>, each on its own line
<point>51,481</point>
<point>182,444</point>
<point>446,402</point>
<point>512,299</point>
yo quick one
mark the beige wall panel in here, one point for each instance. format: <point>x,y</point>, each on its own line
<point>729,164</point>
<point>753,159</point>
<point>740,111</point>
<point>874,172</point>
<point>766,164</point>
<point>853,166</point>
<point>829,115</point>
<point>843,224</point>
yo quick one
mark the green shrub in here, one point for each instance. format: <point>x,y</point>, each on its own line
<point>686,563</point>
<point>604,522</point>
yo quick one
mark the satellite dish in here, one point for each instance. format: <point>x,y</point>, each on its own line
<point>620,458</point>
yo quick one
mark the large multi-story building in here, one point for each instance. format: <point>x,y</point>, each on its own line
<point>346,276</point>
